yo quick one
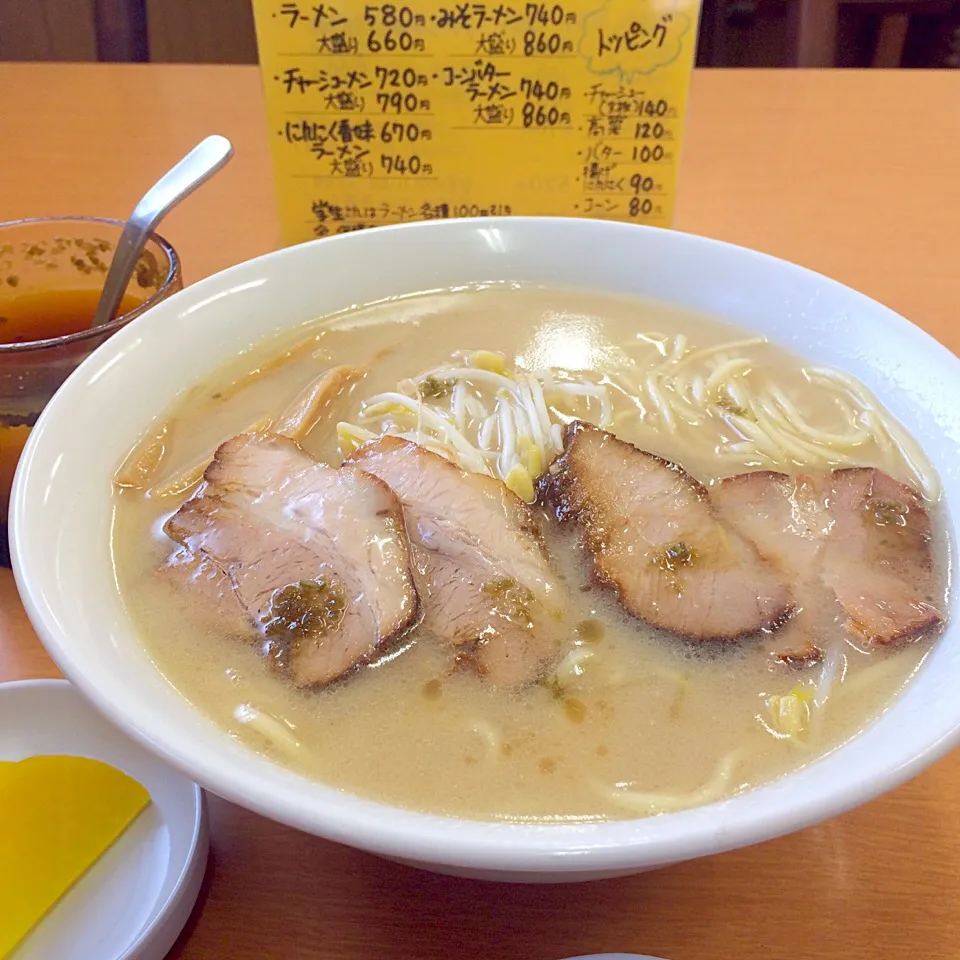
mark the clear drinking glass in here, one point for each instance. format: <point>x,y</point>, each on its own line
<point>51,272</point>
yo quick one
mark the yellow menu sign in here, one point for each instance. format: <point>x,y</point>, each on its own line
<point>382,113</point>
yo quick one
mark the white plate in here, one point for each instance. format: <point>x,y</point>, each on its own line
<point>134,901</point>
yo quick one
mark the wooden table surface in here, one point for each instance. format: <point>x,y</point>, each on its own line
<point>851,173</point>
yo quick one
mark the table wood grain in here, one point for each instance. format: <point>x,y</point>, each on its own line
<point>851,173</point>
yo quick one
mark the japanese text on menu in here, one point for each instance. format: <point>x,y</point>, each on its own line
<point>383,113</point>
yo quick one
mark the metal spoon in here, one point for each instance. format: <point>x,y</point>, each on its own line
<point>204,160</point>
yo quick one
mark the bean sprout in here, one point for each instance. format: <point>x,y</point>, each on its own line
<point>279,734</point>
<point>508,422</point>
<point>571,666</point>
<point>489,736</point>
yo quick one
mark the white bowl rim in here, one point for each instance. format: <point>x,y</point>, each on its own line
<point>433,839</point>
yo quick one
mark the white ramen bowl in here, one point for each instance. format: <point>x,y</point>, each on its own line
<point>62,509</point>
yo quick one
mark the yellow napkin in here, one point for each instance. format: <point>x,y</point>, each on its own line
<point>58,816</point>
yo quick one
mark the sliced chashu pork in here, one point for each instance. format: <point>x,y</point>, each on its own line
<point>856,542</point>
<point>317,557</point>
<point>879,557</point>
<point>655,539</point>
<point>787,519</point>
<point>483,573</point>
<point>197,587</point>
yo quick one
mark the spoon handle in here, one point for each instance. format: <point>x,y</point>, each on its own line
<point>205,159</point>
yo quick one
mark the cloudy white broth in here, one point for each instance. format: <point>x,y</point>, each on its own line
<point>641,636</point>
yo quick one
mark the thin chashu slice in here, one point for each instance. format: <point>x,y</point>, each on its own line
<point>857,544</point>
<point>196,587</point>
<point>879,556</point>
<point>656,541</point>
<point>787,519</point>
<point>483,572</point>
<point>317,557</point>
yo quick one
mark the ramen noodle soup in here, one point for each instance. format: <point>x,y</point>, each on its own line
<point>526,554</point>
